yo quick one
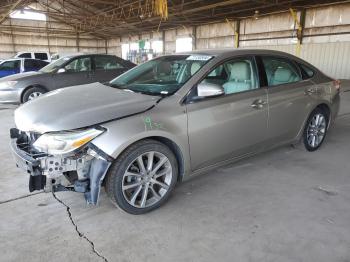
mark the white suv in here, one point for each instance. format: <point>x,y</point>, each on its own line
<point>45,56</point>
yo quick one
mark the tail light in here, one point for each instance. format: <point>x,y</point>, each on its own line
<point>336,84</point>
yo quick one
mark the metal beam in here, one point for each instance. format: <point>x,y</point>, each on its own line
<point>12,40</point>
<point>10,10</point>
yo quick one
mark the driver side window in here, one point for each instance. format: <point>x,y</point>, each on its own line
<point>79,65</point>
<point>234,76</point>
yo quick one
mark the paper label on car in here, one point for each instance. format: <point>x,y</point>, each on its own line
<point>199,57</point>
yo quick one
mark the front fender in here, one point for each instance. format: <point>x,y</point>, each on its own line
<point>122,133</point>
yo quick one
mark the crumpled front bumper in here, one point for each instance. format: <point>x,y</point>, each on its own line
<point>30,165</point>
<point>82,171</point>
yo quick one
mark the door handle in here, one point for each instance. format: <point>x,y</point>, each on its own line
<point>258,104</point>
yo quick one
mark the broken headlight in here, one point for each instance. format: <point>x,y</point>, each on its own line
<point>58,143</point>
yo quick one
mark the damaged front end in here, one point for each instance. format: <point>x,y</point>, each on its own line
<point>80,166</point>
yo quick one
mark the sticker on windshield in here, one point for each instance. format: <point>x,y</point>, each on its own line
<point>199,57</point>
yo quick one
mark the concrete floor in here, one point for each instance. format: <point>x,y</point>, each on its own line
<point>284,205</point>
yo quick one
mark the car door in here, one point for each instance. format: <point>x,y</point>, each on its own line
<point>233,124</point>
<point>106,68</point>
<point>77,71</point>
<point>290,98</point>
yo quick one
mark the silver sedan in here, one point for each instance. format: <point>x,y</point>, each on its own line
<point>169,119</point>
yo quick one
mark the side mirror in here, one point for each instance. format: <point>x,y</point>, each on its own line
<point>209,90</point>
<point>61,70</point>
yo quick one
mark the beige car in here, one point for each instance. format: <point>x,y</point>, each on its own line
<point>169,119</point>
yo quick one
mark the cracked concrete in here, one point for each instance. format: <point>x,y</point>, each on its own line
<point>31,231</point>
<point>264,208</point>
<point>20,197</point>
<point>80,234</point>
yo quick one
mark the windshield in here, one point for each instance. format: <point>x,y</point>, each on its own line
<point>54,65</point>
<point>161,76</point>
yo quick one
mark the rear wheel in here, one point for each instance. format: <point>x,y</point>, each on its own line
<point>316,129</point>
<point>32,93</point>
<point>143,177</point>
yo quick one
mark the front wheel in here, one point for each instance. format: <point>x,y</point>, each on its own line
<point>315,130</point>
<point>143,177</point>
<point>32,93</point>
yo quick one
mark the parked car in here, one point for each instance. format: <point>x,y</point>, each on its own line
<point>59,55</point>
<point>45,56</point>
<point>169,119</point>
<point>67,71</point>
<point>20,65</point>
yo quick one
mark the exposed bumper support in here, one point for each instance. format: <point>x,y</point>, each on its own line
<point>82,171</point>
<point>31,165</point>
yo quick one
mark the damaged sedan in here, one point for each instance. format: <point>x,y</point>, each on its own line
<point>169,119</point>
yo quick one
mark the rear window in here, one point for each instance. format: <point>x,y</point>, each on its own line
<point>41,56</point>
<point>31,64</point>
<point>280,71</point>
<point>107,63</point>
<point>42,63</point>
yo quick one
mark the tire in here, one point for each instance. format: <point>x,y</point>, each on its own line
<point>118,180</point>
<point>315,130</point>
<point>32,93</point>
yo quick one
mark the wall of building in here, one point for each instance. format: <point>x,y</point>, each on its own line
<point>16,36</point>
<point>325,43</point>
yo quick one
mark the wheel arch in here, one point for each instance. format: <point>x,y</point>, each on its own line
<point>323,106</point>
<point>175,149</point>
<point>32,86</point>
<point>173,146</point>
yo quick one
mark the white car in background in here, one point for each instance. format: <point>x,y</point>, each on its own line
<point>59,55</point>
<point>45,56</point>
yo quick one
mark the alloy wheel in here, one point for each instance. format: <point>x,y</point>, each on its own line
<point>316,130</point>
<point>147,179</point>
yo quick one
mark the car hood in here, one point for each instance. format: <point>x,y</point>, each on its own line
<point>80,106</point>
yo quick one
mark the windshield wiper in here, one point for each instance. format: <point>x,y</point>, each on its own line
<point>115,86</point>
<point>125,87</point>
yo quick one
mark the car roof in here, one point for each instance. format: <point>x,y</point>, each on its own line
<point>21,58</point>
<point>78,55</point>
<point>12,59</point>
<point>227,52</point>
<point>234,51</point>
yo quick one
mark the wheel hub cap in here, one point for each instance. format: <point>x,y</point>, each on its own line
<point>34,95</point>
